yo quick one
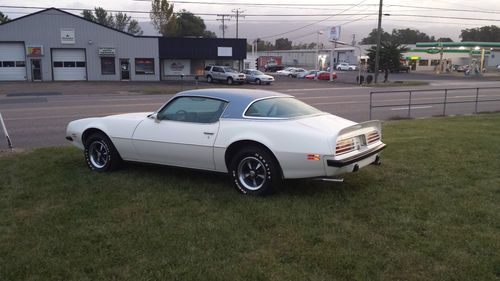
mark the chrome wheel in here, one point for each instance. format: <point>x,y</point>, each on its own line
<point>252,173</point>
<point>99,154</point>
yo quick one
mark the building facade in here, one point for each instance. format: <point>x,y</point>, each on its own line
<point>54,45</point>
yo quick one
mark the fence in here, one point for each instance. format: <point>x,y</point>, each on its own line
<point>444,95</point>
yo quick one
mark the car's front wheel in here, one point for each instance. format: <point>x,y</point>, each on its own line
<point>258,81</point>
<point>254,171</point>
<point>229,81</point>
<point>209,79</point>
<point>100,153</point>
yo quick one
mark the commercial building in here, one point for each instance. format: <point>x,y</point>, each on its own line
<point>54,45</point>
<point>306,58</point>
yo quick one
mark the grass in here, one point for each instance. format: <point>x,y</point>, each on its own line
<point>430,212</point>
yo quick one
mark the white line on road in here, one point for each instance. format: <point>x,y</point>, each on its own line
<point>413,107</point>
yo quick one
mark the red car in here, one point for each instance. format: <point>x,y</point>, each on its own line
<point>323,75</point>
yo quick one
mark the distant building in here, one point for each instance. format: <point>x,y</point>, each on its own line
<point>54,45</point>
<point>306,58</point>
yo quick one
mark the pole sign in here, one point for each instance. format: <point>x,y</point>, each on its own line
<point>334,34</point>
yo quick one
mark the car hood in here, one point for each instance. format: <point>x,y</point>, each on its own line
<point>263,76</point>
<point>130,116</point>
<point>327,123</point>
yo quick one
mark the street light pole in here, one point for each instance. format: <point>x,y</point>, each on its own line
<point>379,38</point>
<point>317,49</point>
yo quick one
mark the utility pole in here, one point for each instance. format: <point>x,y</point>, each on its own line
<point>223,26</point>
<point>238,13</point>
<point>379,38</point>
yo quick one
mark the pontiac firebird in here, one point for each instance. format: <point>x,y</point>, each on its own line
<point>258,137</point>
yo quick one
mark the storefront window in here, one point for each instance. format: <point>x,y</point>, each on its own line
<point>434,62</point>
<point>145,66</point>
<point>423,63</point>
<point>107,65</point>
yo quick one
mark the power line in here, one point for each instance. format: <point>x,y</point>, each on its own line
<point>314,23</point>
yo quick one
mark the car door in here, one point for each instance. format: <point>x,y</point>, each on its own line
<point>182,133</point>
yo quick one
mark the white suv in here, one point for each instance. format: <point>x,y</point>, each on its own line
<point>224,74</point>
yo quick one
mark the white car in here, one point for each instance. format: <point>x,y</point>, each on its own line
<point>257,77</point>
<point>258,137</point>
<point>290,71</point>
<point>346,66</point>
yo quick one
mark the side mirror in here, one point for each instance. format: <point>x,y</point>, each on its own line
<point>154,116</point>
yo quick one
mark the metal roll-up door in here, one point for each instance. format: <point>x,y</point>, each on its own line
<point>69,64</point>
<point>12,62</point>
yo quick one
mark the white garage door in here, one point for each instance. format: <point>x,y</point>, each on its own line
<point>69,64</point>
<point>12,62</point>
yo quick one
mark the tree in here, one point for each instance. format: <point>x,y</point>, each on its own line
<point>190,25</point>
<point>3,18</point>
<point>163,17</point>
<point>481,34</point>
<point>444,39</point>
<point>410,36</point>
<point>283,44</point>
<point>391,54</point>
<point>120,21</point>
<point>372,37</point>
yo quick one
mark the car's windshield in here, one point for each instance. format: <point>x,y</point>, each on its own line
<point>257,72</point>
<point>285,107</point>
<point>228,69</point>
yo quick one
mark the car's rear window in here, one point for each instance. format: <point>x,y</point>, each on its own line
<point>280,108</point>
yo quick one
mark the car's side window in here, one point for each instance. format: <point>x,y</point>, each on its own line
<point>193,109</point>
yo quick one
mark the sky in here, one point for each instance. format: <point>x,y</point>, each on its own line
<point>302,23</point>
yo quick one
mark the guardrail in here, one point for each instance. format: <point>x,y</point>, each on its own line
<point>445,98</point>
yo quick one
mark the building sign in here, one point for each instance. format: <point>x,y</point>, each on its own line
<point>224,51</point>
<point>432,51</point>
<point>334,33</point>
<point>67,36</point>
<point>107,52</point>
<point>413,58</point>
<point>177,66</point>
<point>34,51</point>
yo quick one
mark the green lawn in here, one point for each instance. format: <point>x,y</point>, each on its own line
<point>430,212</point>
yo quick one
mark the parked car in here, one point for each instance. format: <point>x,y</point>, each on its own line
<point>290,71</point>
<point>309,72</point>
<point>346,66</point>
<point>256,76</point>
<point>322,75</point>
<point>223,74</point>
<point>257,137</point>
<point>273,67</point>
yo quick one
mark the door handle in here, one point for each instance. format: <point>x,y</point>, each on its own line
<point>208,133</point>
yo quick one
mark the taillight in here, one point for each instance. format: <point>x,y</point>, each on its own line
<point>372,137</point>
<point>344,146</point>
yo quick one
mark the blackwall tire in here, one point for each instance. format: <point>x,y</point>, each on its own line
<point>230,81</point>
<point>258,81</point>
<point>100,153</point>
<point>209,79</point>
<point>254,171</point>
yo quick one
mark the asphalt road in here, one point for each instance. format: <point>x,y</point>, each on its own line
<point>36,116</point>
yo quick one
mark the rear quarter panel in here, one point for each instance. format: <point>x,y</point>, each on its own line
<point>289,141</point>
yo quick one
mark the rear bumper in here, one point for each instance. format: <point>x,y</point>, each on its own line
<point>356,158</point>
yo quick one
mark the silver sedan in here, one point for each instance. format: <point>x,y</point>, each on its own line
<point>258,77</point>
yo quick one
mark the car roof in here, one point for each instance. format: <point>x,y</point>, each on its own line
<point>238,99</point>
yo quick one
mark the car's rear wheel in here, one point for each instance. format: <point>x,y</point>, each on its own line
<point>229,81</point>
<point>290,75</point>
<point>254,171</point>
<point>100,153</point>
<point>258,81</point>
